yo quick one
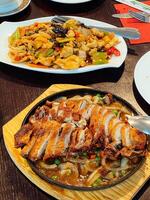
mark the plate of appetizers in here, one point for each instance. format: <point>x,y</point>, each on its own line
<point>80,139</point>
<point>142,76</point>
<point>68,48</point>
<point>9,7</point>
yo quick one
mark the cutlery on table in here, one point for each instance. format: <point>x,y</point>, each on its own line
<point>136,4</point>
<point>142,123</point>
<point>142,16</point>
<point>130,33</point>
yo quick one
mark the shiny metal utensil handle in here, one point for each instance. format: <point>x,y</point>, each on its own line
<point>142,123</point>
<point>130,33</point>
<point>145,17</point>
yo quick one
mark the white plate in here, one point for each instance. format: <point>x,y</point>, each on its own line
<point>71,1</point>
<point>142,76</point>
<point>13,7</point>
<point>7,28</point>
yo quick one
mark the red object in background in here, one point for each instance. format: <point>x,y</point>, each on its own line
<point>143,27</point>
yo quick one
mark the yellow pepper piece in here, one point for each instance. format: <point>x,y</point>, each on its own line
<point>72,62</point>
<point>62,40</point>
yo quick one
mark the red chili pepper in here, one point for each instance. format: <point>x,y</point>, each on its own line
<point>77,34</point>
<point>114,51</point>
<point>93,156</point>
<point>57,48</point>
<point>36,24</point>
<point>17,58</point>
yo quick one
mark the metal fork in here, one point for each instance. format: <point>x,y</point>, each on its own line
<point>130,33</point>
<point>142,16</point>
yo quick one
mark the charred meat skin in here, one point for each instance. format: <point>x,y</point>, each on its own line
<point>22,137</point>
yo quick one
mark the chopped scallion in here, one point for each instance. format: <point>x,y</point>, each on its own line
<point>57,161</point>
<point>97,158</point>
<point>54,177</point>
<point>97,182</point>
<point>115,112</point>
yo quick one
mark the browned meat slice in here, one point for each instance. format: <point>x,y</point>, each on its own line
<point>125,135</point>
<point>76,105</point>
<point>112,123</point>
<point>64,139</point>
<point>138,139</point>
<point>70,103</point>
<point>86,114</point>
<point>40,114</point>
<point>80,139</point>
<point>96,122</point>
<point>116,133</point>
<point>64,115</point>
<point>84,139</point>
<point>27,148</point>
<point>39,146</point>
<point>74,139</point>
<point>45,113</point>
<point>54,137</point>
<point>106,120</point>
<point>79,105</point>
<point>22,137</point>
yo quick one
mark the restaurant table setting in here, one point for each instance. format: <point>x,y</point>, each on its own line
<point>75,99</point>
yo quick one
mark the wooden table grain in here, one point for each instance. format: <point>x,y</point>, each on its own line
<point>19,87</point>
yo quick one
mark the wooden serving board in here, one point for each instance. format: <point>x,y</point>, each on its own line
<point>123,191</point>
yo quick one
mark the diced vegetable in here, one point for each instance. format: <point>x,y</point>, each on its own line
<point>113,172</point>
<point>62,40</point>
<point>110,175</point>
<point>99,58</point>
<point>16,35</point>
<point>49,52</point>
<point>97,182</point>
<point>93,156</point>
<point>68,172</point>
<point>54,177</point>
<point>115,112</point>
<point>97,158</point>
<point>84,154</point>
<point>100,97</point>
<point>114,51</point>
<point>100,62</point>
<point>57,161</point>
<point>122,172</point>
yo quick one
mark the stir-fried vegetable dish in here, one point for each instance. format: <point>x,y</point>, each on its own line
<point>62,46</point>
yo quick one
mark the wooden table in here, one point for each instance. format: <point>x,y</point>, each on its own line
<point>19,87</point>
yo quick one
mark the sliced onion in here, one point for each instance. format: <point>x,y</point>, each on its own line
<point>46,166</point>
<point>73,167</point>
<point>93,176</point>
